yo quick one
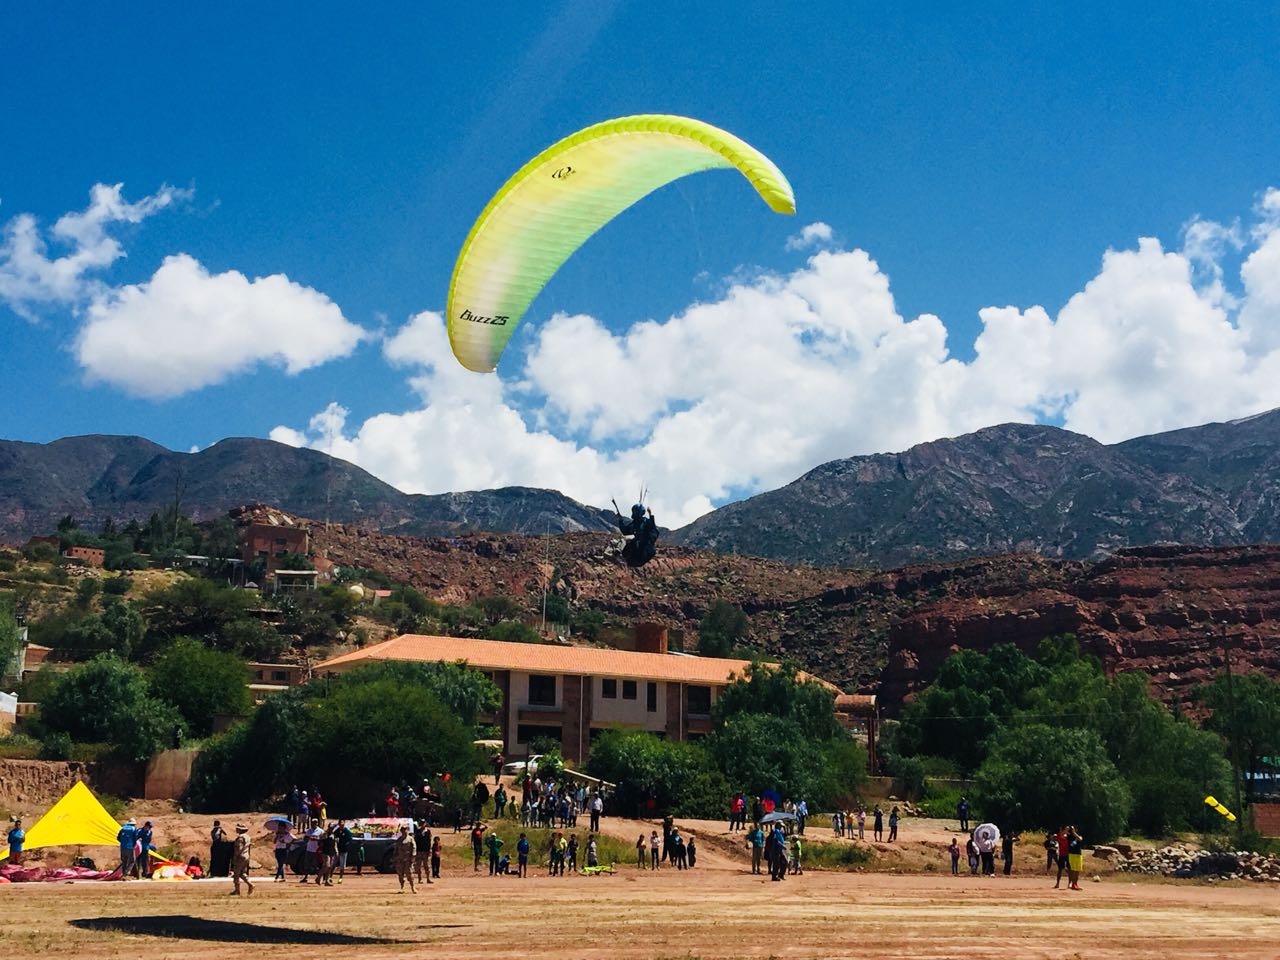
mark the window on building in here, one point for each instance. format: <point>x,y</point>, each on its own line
<point>609,689</point>
<point>628,689</point>
<point>542,691</point>
<point>651,697</point>
<point>529,732</point>
<point>279,676</point>
<point>281,541</point>
<point>698,700</point>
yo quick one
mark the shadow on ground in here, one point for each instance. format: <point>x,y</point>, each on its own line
<point>224,931</point>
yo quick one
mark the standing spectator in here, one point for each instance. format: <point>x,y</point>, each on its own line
<point>295,799</point>
<point>127,838</point>
<point>1062,856</point>
<point>668,825</point>
<point>328,856</point>
<point>477,844</point>
<point>962,814</point>
<point>802,814</point>
<point>837,823</point>
<point>593,851</point>
<point>691,851</point>
<point>499,761</point>
<point>17,836</point>
<point>404,856</point>
<point>494,843</point>
<point>987,851</point>
<point>640,852</point>
<point>877,823</point>
<point>311,852</point>
<point>435,859</point>
<point>755,841</point>
<point>240,860</point>
<point>597,807</point>
<point>971,850</point>
<point>757,810</point>
<point>954,850</point>
<point>1050,851</point>
<point>1006,851</point>
<point>284,837</point>
<point>145,837</point>
<point>216,836</point>
<point>343,837</point>
<point>779,860</point>
<point>393,805</point>
<point>893,824</point>
<point>499,801</point>
<point>653,850</point>
<point>569,857</point>
<point>862,822</point>
<point>1075,857</point>
<point>677,850</point>
<point>522,856</point>
<point>795,854</point>
<point>421,851</point>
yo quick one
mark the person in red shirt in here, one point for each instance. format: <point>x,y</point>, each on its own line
<point>1062,839</point>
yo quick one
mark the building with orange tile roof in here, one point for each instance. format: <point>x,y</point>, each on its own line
<point>570,693</point>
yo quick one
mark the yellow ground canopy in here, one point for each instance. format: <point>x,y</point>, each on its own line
<point>78,819</point>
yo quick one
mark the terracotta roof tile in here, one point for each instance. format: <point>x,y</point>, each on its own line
<point>544,658</point>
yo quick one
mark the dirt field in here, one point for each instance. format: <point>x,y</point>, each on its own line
<point>719,910</point>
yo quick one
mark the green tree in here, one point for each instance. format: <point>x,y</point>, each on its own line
<point>514,631</point>
<point>109,701</point>
<point>194,607</point>
<point>10,635</point>
<point>466,692</point>
<point>658,776</point>
<point>126,626</point>
<point>780,692</point>
<point>200,683</point>
<point>1042,776</point>
<point>500,607</point>
<point>722,629</point>
<point>757,752</point>
<point>1246,715</point>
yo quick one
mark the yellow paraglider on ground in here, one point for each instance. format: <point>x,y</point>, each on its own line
<point>556,201</point>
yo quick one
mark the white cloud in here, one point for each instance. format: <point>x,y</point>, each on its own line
<point>186,328</point>
<point>785,372</point>
<point>29,277</point>
<point>811,236</point>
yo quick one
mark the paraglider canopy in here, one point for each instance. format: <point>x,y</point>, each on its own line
<point>78,819</point>
<point>565,194</point>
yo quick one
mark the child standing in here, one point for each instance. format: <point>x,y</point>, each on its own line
<point>522,856</point>
<point>795,855</point>
<point>640,852</point>
<point>954,850</point>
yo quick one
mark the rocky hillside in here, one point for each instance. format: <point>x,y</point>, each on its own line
<point>1163,610</point>
<point>1016,488</point>
<point>93,478</point>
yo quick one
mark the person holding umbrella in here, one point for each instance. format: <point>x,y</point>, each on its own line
<point>282,827</point>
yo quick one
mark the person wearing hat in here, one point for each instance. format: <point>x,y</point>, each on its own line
<point>17,836</point>
<point>128,839</point>
<point>240,860</point>
<point>145,835</point>
<point>405,853</point>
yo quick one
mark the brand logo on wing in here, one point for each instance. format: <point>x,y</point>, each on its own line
<point>564,173</point>
<point>498,320</point>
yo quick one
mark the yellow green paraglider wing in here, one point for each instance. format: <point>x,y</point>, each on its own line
<point>565,194</point>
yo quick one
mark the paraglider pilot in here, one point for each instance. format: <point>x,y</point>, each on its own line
<point>641,533</point>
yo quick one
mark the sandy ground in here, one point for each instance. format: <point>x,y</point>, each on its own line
<point>717,910</point>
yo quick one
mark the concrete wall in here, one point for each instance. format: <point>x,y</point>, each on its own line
<point>168,774</point>
<point>629,713</point>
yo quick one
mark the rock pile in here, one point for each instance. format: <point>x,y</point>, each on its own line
<point>1181,862</point>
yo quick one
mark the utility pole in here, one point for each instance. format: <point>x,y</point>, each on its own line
<point>1235,733</point>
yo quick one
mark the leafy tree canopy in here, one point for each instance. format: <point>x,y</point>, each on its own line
<point>200,683</point>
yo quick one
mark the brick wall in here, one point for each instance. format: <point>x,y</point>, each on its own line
<point>675,706</point>
<point>575,732</point>
<point>1266,819</point>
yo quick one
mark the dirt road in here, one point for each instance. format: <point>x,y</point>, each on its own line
<point>701,913</point>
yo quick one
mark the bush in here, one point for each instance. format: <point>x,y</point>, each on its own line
<point>55,746</point>
<point>835,856</point>
<point>108,701</point>
<point>721,630</point>
<point>117,586</point>
<point>513,631</point>
<point>1042,776</point>
<point>200,684</point>
<point>656,777</point>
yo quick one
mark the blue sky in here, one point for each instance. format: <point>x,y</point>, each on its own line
<point>981,159</point>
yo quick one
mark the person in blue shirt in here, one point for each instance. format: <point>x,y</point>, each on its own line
<point>145,836</point>
<point>127,838</point>
<point>522,856</point>
<point>17,836</point>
